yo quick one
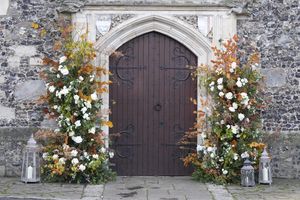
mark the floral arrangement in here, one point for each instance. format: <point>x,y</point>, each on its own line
<point>75,152</point>
<point>227,130</point>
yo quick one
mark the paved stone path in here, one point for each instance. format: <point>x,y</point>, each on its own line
<point>148,188</point>
<point>152,188</point>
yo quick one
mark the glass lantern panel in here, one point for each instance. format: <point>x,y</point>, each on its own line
<point>265,175</point>
<point>247,178</point>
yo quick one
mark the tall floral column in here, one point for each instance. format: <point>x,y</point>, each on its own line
<point>75,152</point>
<point>234,122</point>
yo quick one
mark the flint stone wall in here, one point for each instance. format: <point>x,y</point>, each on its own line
<point>270,26</point>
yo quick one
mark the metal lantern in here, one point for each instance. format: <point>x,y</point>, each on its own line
<point>247,174</point>
<point>31,162</point>
<point>265,174</point>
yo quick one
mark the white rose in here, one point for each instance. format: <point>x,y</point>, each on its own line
<point>62,161</point>
<point>244,95</point>
<point>111,154</point>
<point>55,107</point>
<point>209,149</point>
<point>220,81</point>
<point>77,139</point>
<point>212,155</point>
<point>44,156</point>
<point>80,78</point>
<point>234,105</point>
<point>245,155</point>
<point>76,98</point>
<point>241,116</point>
<point>239,83</point>
<point>74,153</point>
<point>102,150</point>
<point>94,96</point>
<point>222,121</point>
<point>231,70</point>
<point>221,94</point>
<point>229,95</point>
<point>86,116</point>
<point>235,156</point>
<point>92,130</point>
<point>64,71</point>
<point>77,123</point>
<point>71,133</point>
<point>199,148</point>
<point>75,161</point>
<point>233,65</point>
<point>220,87</point>
<point>88,104</point>
<point>234,129</point>
<point>95,156</point>
<point>212,83</point>
<point>64,91</point>
<point>231,109</point>
<point>244,80</point>
<point>224,171</point>
<point>62,59</point>
<point>55,157</point>
<point>51,88</point>
<point>84,109</point>
<point>82,167</point>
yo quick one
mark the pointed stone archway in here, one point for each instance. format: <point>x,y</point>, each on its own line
<point>169,26</point>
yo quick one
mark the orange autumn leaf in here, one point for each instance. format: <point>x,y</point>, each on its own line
<point>88,69</point>
<point>108,123</point>
<point>85,97</point>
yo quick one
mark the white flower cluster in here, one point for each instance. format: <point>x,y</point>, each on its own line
<point>62,67</point>
<point>241,82</point>
<point>234,128</point>
<point>245,98</point>
<point>207,150</point>
<point>233,107</point>
<point>232,67</point>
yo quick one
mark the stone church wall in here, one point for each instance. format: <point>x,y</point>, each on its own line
<point>271,26</point>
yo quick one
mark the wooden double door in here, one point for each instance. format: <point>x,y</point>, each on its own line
<point>150,104</point>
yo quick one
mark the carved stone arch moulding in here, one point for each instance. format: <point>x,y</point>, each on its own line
<point>171,26</point>
<point>168,25</point>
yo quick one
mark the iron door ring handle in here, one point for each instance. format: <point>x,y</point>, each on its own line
<point>157,107</point>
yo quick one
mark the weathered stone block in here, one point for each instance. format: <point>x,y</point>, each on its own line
<point>35,61</point>
<point>274,77</point>
<point>30,90</point>
<point>2,79</point>
<point>2,170</point>
<point>4,7</point>
<point>7,113</point>
<point>13,61</point>
<point>24,50</point>
<point>49,124</point>
<point>2,94</point>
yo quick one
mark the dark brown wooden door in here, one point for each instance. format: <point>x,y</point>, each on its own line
<point>150,103</point>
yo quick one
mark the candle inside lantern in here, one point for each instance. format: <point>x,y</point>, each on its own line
<point>265,174</point>
<point>29,172</point>
<point>247,180</point>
